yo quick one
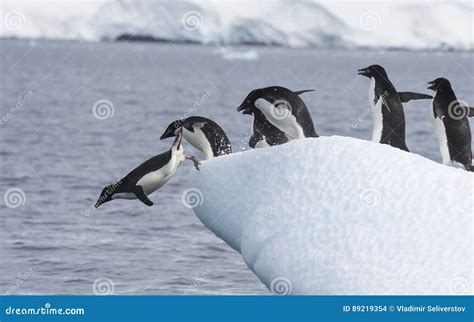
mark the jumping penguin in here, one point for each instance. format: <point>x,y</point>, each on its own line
<point>387,109</point>
<point>283,109</point>
<point>148,177</point>
<point>202,133</point>
<point>451,124</point>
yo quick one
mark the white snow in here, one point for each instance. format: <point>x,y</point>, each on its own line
<point>409,24</point>
<point>338,215</point>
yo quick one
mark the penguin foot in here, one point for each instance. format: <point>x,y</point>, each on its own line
<point>469,167</point>
<point>194,159</point>
<point>140,194</point>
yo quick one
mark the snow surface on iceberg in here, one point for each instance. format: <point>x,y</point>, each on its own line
<point>338,215</point>
<point>407,24</point>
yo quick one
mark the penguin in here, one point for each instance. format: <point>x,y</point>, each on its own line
<point>147,177</point>
<point>202,133</point>
<point>265,134</point>
<point>451,125</point>
<point>387,109</point>
<point>283,109</point>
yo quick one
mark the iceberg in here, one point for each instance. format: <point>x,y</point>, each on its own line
<point>341,216</point>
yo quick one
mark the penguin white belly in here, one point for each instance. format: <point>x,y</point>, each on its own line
<point>198,140</point>
<point>262,144</point>
<point>280,117</point>
<point>440,132</point>
<point>124,195</point>
<point>377,118</point>
<point>371,91</point>
<point>154,180</point>
<point>150,182</point>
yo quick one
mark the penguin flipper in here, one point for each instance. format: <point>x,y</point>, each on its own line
<point>438,113</point>
<point>253,141</point>
<point>408,96</point>
<point>138,191</point>
<point>471,112</point>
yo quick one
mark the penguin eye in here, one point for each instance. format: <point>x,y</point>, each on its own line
<point>248,101</point>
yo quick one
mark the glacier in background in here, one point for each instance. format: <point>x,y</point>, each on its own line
<point>396,24</point>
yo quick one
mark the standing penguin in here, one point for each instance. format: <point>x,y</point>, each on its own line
<point>265,134</point>
<point>147,177</point>
<point>451,125</point>
<point>202,133</point>
<point>387,110</point>
<point>283,109</point>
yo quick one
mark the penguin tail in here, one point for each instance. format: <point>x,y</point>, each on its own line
<point>303,91</point>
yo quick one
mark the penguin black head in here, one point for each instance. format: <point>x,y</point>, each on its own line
<point>271,94</point>
<point>187,123</point>
<point>202,133</point>
<point>106,195</point>
<point>172,129</point>
<point>247,106</point>
<point>440,84</point>
<point>375,71</point>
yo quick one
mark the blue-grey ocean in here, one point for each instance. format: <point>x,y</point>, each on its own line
<point>76,116</point>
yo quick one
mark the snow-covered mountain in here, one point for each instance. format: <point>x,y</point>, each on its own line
<point>414,24</point>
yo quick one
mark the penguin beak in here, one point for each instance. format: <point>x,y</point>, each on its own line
<point>244,109</point>
<point>364,72</point>
<point>177,141</point>
<point>99,203</point>
<point>432,87</point>
<point>167,134</point>
<point>105,196</point>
